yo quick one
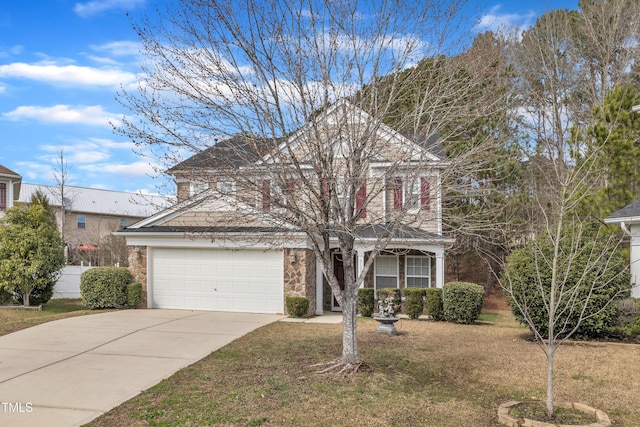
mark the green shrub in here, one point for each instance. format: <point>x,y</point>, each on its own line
<point>462,302</point>
<point>105,287</point>
<point>413,302</point>
<point>627,319</point>
<point>38,296</point>
<point>366,301</point>
<point>134,294</point>
<point>527,279</point>
<point>433,302</point>
<point>391,293</point>
<point>6,297</point>
<point>297,306</point>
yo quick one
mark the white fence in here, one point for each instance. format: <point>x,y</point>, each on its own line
<point>68,285</point>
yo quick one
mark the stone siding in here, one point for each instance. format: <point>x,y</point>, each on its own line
<point>300,276</point>
<point>137,256</point>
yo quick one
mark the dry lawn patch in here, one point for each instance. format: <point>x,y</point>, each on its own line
<point>55,309</point>
<point>432,374</point>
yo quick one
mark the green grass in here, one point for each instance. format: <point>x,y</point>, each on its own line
<point>13,320</point>
<point>432,374</point>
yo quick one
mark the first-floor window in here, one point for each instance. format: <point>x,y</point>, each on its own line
<point>3,196</point>
<point>82,221</point>
<point>418,271</point>
<point>386,270</point>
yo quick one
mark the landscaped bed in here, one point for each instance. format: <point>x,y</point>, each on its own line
<point>432,374</point>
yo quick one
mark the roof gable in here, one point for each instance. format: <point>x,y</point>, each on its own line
<point>243,150</point>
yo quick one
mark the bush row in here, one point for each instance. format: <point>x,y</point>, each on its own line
<point>458,302</point>
<point>109,287</point>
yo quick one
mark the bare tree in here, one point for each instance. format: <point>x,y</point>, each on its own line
<point>289,101</point>
<point>572,273</point>
<point>61,193</point>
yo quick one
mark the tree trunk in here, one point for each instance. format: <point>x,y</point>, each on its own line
<point>25,298</point>
<point>550,353</point>
<point>349,336</point>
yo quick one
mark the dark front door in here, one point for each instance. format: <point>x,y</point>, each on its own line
<point>338,271</point>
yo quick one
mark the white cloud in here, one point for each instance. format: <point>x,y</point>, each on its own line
<point>93,115</point>
<point>501,22</point>
<point>67,74</point>
<point>119,48</point>
<point>139,168</point>
<point>98,6</point>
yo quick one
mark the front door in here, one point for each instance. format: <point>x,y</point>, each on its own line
<point>338,271</point>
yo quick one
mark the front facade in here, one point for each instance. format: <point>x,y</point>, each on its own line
<point>10,183</point>
<point>629,220</point>
<point>220,248</point>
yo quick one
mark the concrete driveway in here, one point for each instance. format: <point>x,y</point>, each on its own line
<point>68,372</point>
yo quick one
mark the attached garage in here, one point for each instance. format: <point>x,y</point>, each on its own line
<point>246,280</point>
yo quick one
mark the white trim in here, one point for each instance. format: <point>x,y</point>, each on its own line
<point>406,273</point>
<point>375,272</point>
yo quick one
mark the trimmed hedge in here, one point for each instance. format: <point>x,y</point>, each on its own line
<point>413,302</point>
<point>105,287</point>
<point>366,301</point>
<point>134,294</point>
<point>462,302</point>
<point>433,302</point>
<point>297,306</point>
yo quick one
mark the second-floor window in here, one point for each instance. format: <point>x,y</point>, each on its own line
<point>124,222</point>
<point>3,196</point>
<point>196,187</point>
<point>82,222</point>
<point>413,194</point>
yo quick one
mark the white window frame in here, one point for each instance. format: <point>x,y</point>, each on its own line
<point>227,188</point>
<point>407,275</point>
<point>197,187</point>
<point>412,194</point>
<point>376,275</point>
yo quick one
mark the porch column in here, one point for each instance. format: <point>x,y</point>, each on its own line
<point>439,269</point>
<point>319,289</point>
<point>360,264</point>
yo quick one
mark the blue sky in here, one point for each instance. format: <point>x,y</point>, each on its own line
<point>61,63</point>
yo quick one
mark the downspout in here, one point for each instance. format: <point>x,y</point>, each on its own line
<point>624,228</point>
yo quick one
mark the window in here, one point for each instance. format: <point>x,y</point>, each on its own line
<point>3,196</point>
<point>386,270</point>
<point>418,271</point>
<point>124,222</point>
<point>196,187</point>
<point>413,194</point>
<point>82,222</point>
<point>226,187</point>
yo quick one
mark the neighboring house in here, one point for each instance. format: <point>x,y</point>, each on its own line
<point>629,220</point>
<point>9,188</point>
<point>91,215</point>
<point>220,249</point>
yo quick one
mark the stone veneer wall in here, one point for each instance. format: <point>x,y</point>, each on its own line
<point>137,256</point>
<point>300,276</point>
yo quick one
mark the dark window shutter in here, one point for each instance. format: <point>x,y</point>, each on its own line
<point>361,198</point>
<point>266,194</point>
<point>291,192</point>
<point>397,193</point>
<point>425,193</point>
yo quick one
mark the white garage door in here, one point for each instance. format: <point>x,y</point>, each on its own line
<point>249,281</point>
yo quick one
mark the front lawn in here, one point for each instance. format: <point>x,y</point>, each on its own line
<point>12,320</point>
<point>432,374</point>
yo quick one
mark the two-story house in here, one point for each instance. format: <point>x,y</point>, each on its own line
<point>9,188</point>
<point>228,247</point>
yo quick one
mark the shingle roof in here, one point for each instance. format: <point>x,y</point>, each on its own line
<point>93,200</point>
<point>632,210</point>
<point>8,172</point>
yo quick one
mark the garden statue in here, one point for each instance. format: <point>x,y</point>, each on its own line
<point>386,316</point>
